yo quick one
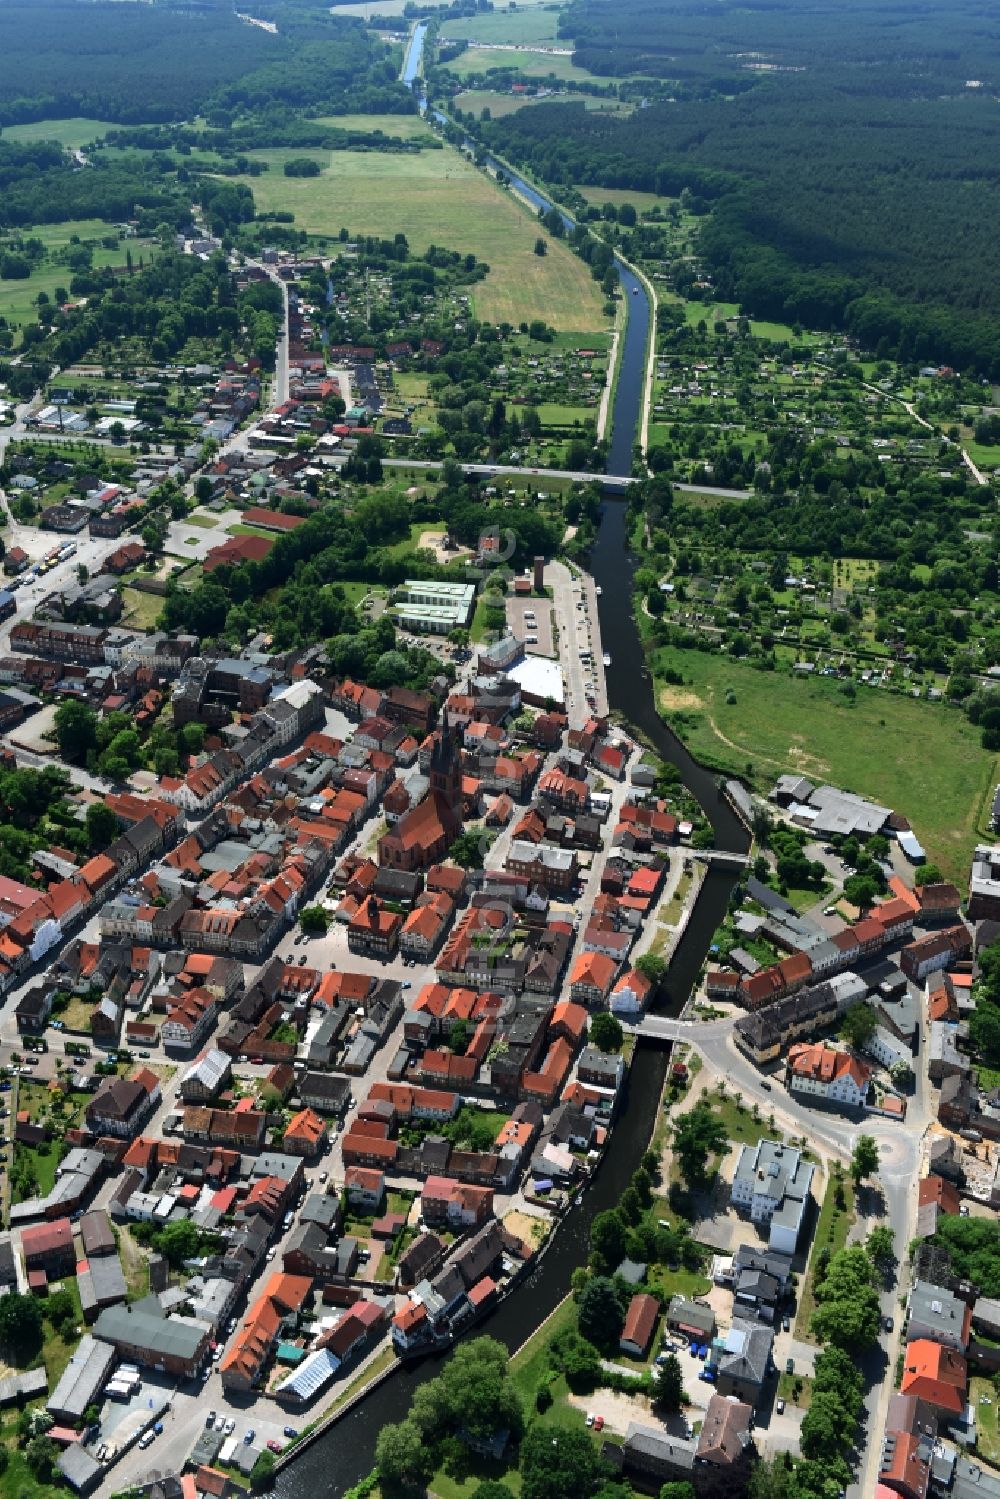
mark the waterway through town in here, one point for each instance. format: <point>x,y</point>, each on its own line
<point>345,1454</point>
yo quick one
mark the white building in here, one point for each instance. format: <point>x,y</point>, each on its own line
<point>772,1186</point>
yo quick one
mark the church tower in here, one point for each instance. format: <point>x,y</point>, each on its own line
<point>446,768</point>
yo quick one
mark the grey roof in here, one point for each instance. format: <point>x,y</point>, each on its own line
<point>747,1347</point>
<point>684,1311</point>
<point>320,1208</point>
<point>631,1271</point>
<point>932,1306</point>
<point>23,1386</point>
<point>141,1326</point>
<point>80,1470</point>
<point>82,1377</point>
<point>647,1441</point>
<point>749,1257</point>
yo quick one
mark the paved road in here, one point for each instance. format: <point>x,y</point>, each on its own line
<point>576,476</point>
<point>579,630</point>
<point>834,1136</point>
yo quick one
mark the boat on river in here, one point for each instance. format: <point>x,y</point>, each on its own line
<point>606,659</point>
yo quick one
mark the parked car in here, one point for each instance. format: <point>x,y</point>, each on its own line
<point>786,1325</point>
<point>274,1446</point>
<point>888,1324</point>
<point>789,1366</point>
<point>780,1406</point>
<point>290,1431</point>
<point>249,1435</point>
<point>229,1427</point>
<point>590,1418</point>
<point>210,1420</point>
<point>599,1423</point>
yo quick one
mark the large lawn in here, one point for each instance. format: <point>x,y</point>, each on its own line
<point>922,759</point>
<point>437,197</point>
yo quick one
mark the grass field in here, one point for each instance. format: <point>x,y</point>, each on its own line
<point>921,759</point>
<point>18,298</point>
<point>75,132</point>
<point>440,198</point>
<point>142,610</point>
<point>515,26</point>
<point>987,1433</point>
<point>617,195</point>
<point>404,127</point>
<point>477,61</point>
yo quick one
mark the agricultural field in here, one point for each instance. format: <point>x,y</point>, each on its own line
<point>437,197</point>
<point>524,28</point>
<point>477,61</point>
<point>404,127</point>
<point>73,133</point>
<point>734,716</point>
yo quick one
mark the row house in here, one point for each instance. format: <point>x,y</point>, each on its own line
<point>936,951</point>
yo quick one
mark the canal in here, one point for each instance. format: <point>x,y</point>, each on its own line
<point>346,1454</point>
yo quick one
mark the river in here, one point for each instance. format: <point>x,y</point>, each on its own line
<point>346,1454</point>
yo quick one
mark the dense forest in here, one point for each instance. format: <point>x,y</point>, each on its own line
<point>39,185</point>
<point>852,168</point>
<point>141,63</point>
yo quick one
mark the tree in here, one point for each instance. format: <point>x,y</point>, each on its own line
<point>678,1489</point>
<point>651,967</point>
<point>102,826</point>
<point>881,1245</point>
<point>608,1234</point>
<point>492,1489</point>
<point>825,1424</point>
<point>459,1036</point>
<point>559,1463</point>
<point>697,1135</point>
<point>847,1314</point>
<point>60,1309</point>
<point>404,1461</point>
<point>541,248</point>
<point>864,1161</point>
<point>179,1241</point>
<point>930,874</point>
<point>469,849</point>
<point>606,1032</point>
<point>859,1025</point>
<point>20,1327</point>
<point>262,1473</point>
<point>76,731</point>
<point>600,1314</point>
<point>314,920</point>
<point>668,1383</point>
<point>40,1455</point>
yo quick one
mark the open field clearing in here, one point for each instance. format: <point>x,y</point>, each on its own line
<point>437,197</point>
<point>921,758</point>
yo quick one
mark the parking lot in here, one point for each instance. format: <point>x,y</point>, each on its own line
<point>530,620</point>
